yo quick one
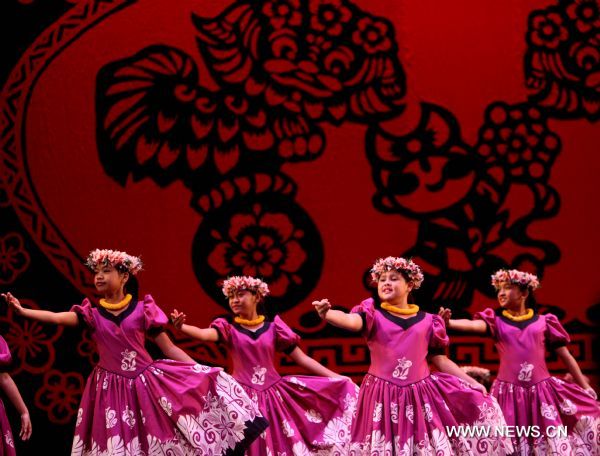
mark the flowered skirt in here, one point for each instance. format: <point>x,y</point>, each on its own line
<point>307,415</point>
<point>544,411</point>
<point>170,408</point>
<point>434,416</point>
<point>7,445</point>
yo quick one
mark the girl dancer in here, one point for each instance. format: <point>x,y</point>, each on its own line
<point>403,409</point>
<point>307,414</point>
<point>529,397</point>
<point>135,405</point>
<point>7,444</point>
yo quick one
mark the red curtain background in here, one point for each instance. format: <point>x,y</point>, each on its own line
<point>296,140</point>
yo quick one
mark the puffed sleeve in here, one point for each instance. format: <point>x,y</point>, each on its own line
<point>286,340</point>
<point>555,335</point>
<point>5,356</point>
<point>223,328</point>
<point>366,310</point>
<point>155,319</point>
<point>489,317</point>
<point>84,313</point>
<point>438,341</point>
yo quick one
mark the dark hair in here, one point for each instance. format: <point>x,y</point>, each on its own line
<point>479,374</point>
<point>132,286</point>
<point>262,308</point>
<point>530,301</point>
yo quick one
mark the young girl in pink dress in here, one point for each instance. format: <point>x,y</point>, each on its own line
<point>528,395</point>
<point>403,409</point>
<point>134,405</point>
<point>306,414</point>
<point>7,385</point>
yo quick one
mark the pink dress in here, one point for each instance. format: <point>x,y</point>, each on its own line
<point>404,409</point>
<point>134,405</point>
<point>307,414</point>
<point>529,396</point>
<point>7,444</point>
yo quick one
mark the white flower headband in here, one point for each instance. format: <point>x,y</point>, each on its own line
<point>236,283</point>
<point>516,277</point>
<point>400,264</point>
<point>119,260</point>
<point>476,371</point>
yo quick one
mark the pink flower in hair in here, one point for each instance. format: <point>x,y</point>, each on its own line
<point>399,264</point>
<point>115,258</point>
<point>481,374</point>
<point>476,371</point>
<point>237,283</point>
<point>516,277</point>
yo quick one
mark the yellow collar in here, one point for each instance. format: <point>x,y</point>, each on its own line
<point>527,316</point>
<point>255,322</point>
<point>412,309</point>
<point>118,305</point>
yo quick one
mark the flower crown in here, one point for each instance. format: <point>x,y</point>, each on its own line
<point>121,261</point>
<point>516,277</point>
<point>400,264</point>
<point>480,374</point>
<point>235,283</point>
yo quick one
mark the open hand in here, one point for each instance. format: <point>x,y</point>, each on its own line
<point>479,387</point>
<point>25,427</point>
<point>590,391</point>
<point>446,314</point>
<point>177,318</point>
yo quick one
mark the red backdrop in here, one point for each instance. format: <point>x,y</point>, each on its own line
<point>297,141</point>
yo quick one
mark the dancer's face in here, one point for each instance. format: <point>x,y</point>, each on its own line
<point>243,303</point>
<point>510,296</point>
<point>108,280</point>
<point>393,287</point>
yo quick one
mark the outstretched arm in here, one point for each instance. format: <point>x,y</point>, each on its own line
<point>44,316</point>
<point>463,325</point>
<point>444,364</point>
<point>349,321</point>
<point>565,355</point>
<point>9,387</point>
<point>305,361</point>
<point>171,350</point>
<point>205,334</point>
